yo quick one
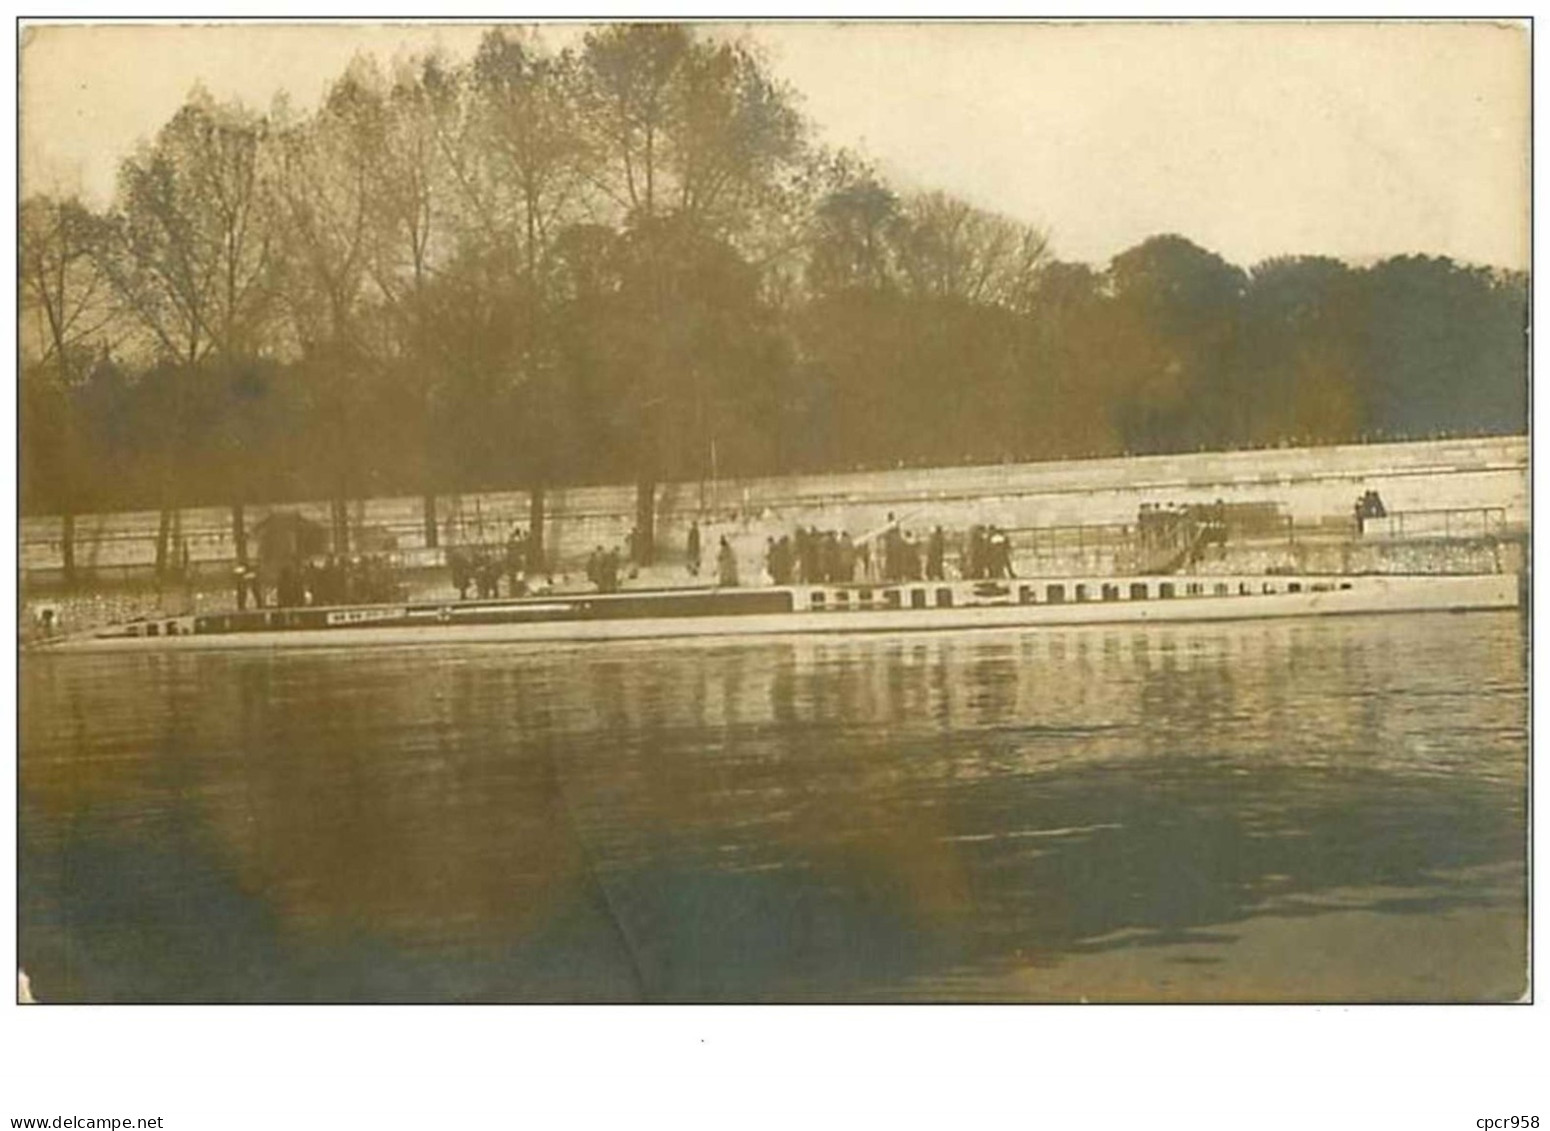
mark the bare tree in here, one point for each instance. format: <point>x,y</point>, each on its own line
<point>328,188</point>
<point>694,140</point>
<point>852,239</point>
<point>523,175</point>
<point>946,248</point>
<point>67,310</point>
<point>67,302</point>
<point>630,107</point>
<point>410,233</point>
<point>190,240</point>
<point>188,251</point>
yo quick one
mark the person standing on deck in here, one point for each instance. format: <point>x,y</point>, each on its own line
<point>936,552</point>
<point>828,557</point>
<point>726,565</point>
<point>893,550</point>
<point>608,572</point>
<point>516,561</point>
<point>487,575</point>
<point>456,559</point>
<point>913,554</point>
<point>286,588</point>
<point>787,559</point>
<point>692,551</point>
<point>973,566</point>
<point>1000,553</point>
<point>807,555</point>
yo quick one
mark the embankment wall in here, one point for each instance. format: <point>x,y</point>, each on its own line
<point>1315,487</point>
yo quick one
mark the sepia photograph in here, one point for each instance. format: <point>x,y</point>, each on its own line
<point>718,512</point>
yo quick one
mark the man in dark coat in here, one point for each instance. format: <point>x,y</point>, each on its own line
<point>936,551</point>
<point>692,551</point>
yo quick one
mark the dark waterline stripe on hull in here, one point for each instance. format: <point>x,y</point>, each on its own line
<point>522,611</point>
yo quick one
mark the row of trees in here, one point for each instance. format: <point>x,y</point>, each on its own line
<point>630,261</point>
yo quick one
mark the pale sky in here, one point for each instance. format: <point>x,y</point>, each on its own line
<point>1253,140</point>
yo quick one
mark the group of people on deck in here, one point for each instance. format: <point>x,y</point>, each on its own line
<point>811,555</point>
<point>362,579</point>
<point>1369,505</point>
<point>482,567</point>
<point>987,554</point>
<point>603,569</point>
<point>906,557</point>
<point>892,555</point>
<point>726,557</point>
<point>806,556</point>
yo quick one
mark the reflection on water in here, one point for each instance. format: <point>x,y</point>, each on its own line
<point>844,818</point>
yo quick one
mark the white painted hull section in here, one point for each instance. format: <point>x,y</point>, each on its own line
<point>1366,595</point>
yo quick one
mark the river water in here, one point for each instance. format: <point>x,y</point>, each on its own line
<point>1323,810</point>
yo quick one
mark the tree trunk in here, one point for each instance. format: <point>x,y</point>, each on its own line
<point>67,548</point>
<point>163,535</point>
<point>428,506</point>
<point>535,538</point>
<point>341,516</point>
<point>239,533</point>
<point>179,546</point>
<point>645,522</point>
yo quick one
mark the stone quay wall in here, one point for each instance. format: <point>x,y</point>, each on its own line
<point>1062,515</point>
